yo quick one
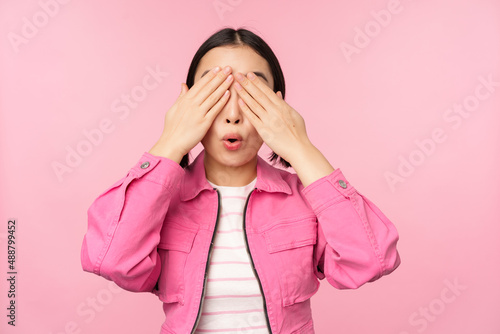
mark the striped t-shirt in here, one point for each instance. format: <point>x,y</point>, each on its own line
<point>233,302</point>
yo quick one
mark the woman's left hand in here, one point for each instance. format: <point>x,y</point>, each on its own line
<point>281,127</point>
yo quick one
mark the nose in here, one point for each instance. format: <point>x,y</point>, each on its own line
<point>231,111</point>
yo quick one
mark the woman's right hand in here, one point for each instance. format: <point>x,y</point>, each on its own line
<point>192,114</point>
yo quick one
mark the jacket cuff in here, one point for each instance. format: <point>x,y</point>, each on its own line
<point>160,170</point>
<point>327,190</point>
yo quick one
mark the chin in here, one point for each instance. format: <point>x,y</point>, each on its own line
<point>231,158</point>
<point>234,159</point>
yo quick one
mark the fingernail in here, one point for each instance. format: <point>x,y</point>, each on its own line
<point>227,70</point>
<point>217,69</point>
<point>251,76</point>
<point>239,76</point>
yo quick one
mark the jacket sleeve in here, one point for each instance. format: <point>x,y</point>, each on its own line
<point>125,221</point>
<point>356,242</point>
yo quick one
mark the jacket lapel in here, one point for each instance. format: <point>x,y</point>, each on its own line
<point>269,178</point>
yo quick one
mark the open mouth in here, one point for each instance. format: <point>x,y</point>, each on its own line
<point>232,141</point>
<point>232,137</point>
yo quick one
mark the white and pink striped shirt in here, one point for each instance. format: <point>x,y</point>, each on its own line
<point>233,302</point>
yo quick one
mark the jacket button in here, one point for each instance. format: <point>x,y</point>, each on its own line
<point>145,165</point>
<point>342,184</point>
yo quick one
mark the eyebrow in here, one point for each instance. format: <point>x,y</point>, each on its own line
<point>259,74</point>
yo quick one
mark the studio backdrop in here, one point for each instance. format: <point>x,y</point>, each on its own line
<point>402,95</point>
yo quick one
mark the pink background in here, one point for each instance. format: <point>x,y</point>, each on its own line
<point>366,111</point>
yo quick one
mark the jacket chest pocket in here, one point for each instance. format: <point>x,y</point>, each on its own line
<point>174,248</point>
<point>291,246</point>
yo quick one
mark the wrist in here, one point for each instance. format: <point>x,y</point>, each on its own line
<point>164,149</point>
<point>310,164</point>
<point>302,151</point>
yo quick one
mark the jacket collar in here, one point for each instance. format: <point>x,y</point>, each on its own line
<point>194,181</point>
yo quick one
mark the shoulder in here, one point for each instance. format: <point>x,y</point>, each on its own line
<point>291,178</point>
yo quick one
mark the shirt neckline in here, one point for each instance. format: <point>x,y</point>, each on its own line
<point>232,187</point>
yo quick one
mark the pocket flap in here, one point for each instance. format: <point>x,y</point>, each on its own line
<point>291,235</point>
<point>176,238</point>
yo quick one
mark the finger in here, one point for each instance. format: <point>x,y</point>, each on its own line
<point>216,80</point>
<point>214,111</point>
<point>254,119</point>
<point>250,101</point>
<point>197,87</point>
<point>215,96</point>
<point>261,92</point>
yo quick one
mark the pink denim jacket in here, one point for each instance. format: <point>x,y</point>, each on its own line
<point>152,231</point>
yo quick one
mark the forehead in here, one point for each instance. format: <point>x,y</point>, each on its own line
<point>241,59</point>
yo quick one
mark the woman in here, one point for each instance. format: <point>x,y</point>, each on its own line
<point>230,243</point>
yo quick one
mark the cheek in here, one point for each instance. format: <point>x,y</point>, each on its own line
<point>255,137</point>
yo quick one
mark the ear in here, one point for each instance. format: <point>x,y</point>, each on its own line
<point>184,89</point>
<point>279,94</point>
